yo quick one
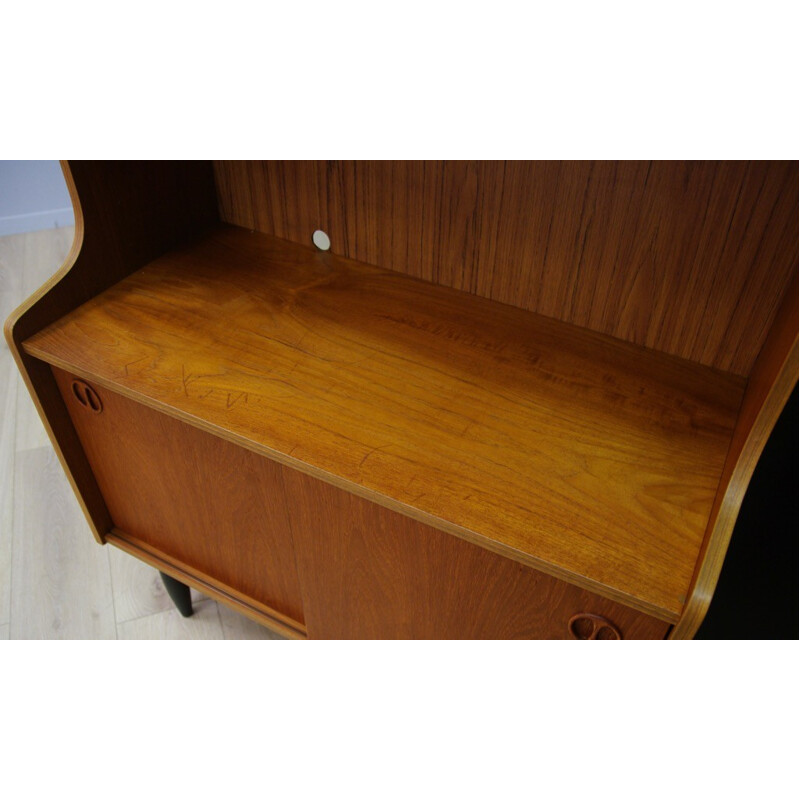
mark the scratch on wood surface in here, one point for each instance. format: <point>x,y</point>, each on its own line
<point>236,397</point>
<point>186,380</point>
<point>372,453</point>
<point>131,363</point>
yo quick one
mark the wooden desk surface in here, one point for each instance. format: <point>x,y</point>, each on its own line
<point>592,459</point>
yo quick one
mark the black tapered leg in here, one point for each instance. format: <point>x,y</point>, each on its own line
<point>179,594</point>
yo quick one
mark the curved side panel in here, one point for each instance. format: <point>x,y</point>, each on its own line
<point>134,212</point>
<point>771,382</point>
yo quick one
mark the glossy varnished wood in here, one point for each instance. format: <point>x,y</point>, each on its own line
<point>590,458</point>
<point>206,585</point>
<point>690,258</point>
<point>687,258</point>
<point>211,505</point>
<point>774,376</point>
<point>370,573</point>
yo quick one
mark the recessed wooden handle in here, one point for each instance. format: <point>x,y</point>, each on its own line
<point>592,626</point>
<point>87,396</point>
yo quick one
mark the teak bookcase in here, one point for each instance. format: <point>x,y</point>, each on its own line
<point>512,400</point>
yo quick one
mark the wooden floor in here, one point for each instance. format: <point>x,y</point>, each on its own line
<point>56,582</point>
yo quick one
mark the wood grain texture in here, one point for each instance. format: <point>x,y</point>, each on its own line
<point>774,376</point>
<point>62,581</point>
<point>690,258</point>
<point>209,504</point>
<point>586,457</point>
<point>207,585</point>
<point>134,210</point>
<point>370,573</point>
<point>29,260</point>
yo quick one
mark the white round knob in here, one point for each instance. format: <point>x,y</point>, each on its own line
<point>321,240</point>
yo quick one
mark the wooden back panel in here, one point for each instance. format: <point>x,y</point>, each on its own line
<point>691,259</point>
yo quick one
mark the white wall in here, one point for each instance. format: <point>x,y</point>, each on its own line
<point>33,196</point>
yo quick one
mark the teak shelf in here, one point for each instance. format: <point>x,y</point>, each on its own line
<point>341,449</point>
<point>587,457</point>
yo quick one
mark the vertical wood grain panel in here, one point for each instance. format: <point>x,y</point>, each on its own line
<point>218,508</point>
<point>690,258</point>
<point>367,572</point>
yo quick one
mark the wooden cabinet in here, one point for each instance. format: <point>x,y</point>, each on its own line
<point>481,429</point>
<point>367,572</point>
<point>211,506</point>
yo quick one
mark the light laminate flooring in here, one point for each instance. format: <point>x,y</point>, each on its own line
<point>56,582</point>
